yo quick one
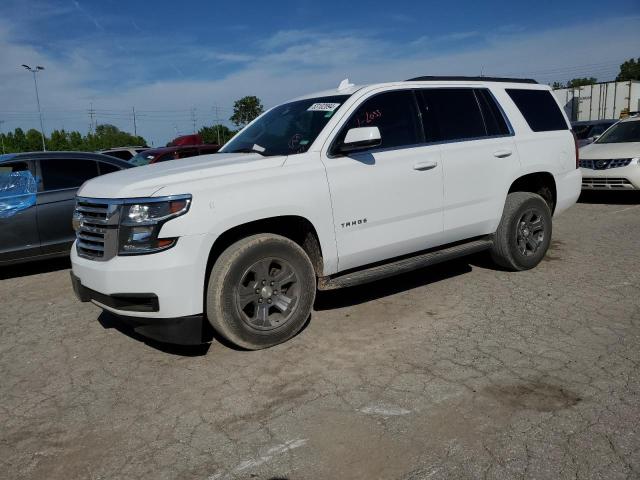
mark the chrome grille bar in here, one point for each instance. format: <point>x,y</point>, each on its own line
<point>97,228</point>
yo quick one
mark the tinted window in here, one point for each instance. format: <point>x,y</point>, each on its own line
<point>59,174</point>
<point>208,150</point>
<point>107,168</point>
<point>451,114</point>
<point>165,157</point>
<point>539,109</point>
<point>493,119</point>
<point>396,116</point>
<point>192,152</point>
<point>13,167</point>
<point>121,154</point>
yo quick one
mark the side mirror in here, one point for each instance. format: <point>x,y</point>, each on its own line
<point>360,139</point>
<point>595,137</point>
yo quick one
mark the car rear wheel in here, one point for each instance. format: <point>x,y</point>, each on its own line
<point>261,291</point>
<point>524,233</point>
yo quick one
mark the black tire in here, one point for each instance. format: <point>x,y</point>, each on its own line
<point>243,302</point>
<point>526,222</point>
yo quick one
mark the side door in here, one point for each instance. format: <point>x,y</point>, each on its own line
<point>387,201</point>
<point>60,180</point>
<point>479,157</point>
<point>18,223</point>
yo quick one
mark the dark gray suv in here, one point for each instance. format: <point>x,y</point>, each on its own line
<point>37,198</point>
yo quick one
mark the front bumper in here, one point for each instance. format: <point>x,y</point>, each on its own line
<point>188,330</point>
<point>176,277</point>
<point>620,178</point>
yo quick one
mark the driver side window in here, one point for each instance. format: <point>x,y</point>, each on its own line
<point>396,116</point>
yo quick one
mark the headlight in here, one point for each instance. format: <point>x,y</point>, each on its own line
<point>142,219</point>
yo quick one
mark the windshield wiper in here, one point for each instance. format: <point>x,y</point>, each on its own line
<point>253,149</point>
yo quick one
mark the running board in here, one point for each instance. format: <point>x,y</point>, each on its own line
<point>379,272</point>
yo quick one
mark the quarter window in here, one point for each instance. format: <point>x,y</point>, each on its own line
<point>396,116</point>
<point>539,109</point>
<point>59,174</point>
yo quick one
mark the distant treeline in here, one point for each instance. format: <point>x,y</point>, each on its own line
<point>105,136</point>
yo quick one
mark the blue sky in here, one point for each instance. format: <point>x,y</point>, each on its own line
<point>167,58</point>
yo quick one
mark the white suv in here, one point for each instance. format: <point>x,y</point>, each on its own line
<point>333,189</point>
<point>612,162</point>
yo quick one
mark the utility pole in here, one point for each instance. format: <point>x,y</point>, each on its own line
<point>91,113</point>
<point>2,136</point>
<point>217,120</point>
<point>135,128</point>
<point>35,70</point>
<point>193,119</point>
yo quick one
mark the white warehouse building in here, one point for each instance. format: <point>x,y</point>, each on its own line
<point>600,101</point>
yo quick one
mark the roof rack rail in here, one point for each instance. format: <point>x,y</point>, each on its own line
<point>474,79</point>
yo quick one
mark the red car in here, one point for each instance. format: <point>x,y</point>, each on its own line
<point>163,154</point>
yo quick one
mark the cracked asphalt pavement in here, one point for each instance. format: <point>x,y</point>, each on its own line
<point>457,371</point>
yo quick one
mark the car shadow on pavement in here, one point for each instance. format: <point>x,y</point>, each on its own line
<point>344,297</point>
<point>34,268</point>
<point>109,320</point>
<point>612,198</point>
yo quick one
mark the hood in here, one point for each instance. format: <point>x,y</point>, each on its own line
<point>595,151</point>
<point>149,179</point>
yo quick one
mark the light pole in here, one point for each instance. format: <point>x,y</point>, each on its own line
<point>1,136</point>
<point>35,82</point>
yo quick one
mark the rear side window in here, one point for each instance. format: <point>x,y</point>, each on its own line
<point>451,114</point>
<point>493,117</point>
<point>539,109</point>
<point>59,174</point>
<point>6,168</point>
<point>394,113</point>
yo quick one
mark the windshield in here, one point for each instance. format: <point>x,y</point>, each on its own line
<point>622,132</point>
<point>141,159</point>
<point>287,129</point>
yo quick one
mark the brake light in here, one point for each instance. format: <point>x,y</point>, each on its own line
<point>575,142</point>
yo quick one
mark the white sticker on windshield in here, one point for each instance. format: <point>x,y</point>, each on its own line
<point>258,148</point>
<point>323,107</point>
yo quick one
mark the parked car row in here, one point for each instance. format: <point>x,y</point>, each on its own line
<point>37,198</point>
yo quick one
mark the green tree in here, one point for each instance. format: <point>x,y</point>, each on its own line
<point>557,85</point>
<point>581,82</point>
<point>34,140</point>
<point>246,109</point>
<point>105,136</point>
<point>219,134</point>
<point>629,70</point>
<point>58,141</point>
<point>20,141</point>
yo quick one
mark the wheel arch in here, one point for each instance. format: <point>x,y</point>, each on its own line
<point>541,183</point>
<point>295,227</point>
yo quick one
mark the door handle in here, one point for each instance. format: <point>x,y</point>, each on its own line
<point>502,153</point>
<point>425,165</point>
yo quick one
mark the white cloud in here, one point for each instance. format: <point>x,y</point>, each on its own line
<point>287,64</point>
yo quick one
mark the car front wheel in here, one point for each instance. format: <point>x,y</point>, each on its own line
<point>261,291</point>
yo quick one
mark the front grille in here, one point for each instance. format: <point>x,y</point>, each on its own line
<point>606,183</point>
<point>96,228</point>
<point>605,163</point>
